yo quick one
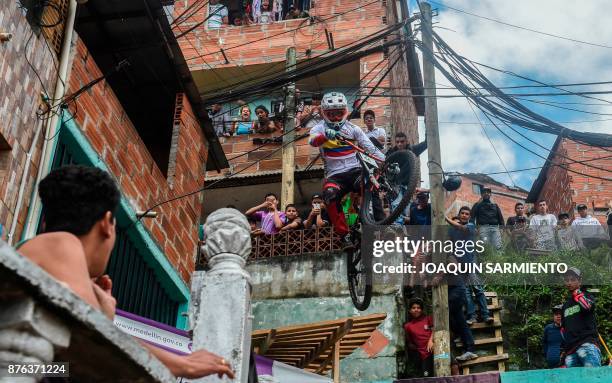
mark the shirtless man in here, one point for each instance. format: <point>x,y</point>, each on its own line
<point>75,247</point>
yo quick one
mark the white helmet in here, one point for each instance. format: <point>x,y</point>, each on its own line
<point>334,101</point>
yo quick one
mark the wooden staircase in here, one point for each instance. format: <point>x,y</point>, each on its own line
<point>489,341</point>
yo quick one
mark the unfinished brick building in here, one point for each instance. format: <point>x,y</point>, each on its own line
<point>563,189</point>
<point>221,58</point>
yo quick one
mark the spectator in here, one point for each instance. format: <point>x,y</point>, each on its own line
<point>292,220</point>
<point>78,237</point>
<point>217,14</point>
<point>578,326</point>
<point>588,228</point>
<point>552,338</point>
<point>350,208</point>
<point>456,301</point>
<point>277,10</point>
<point>567,238</point>
<point>293,13</point>
<point>238,21</point>
<point>401,143</point>
<point>463,231</point>
<point>311,115</point>
<point>220,120</point>
<point>267,212</point>
<point>378,136</point>
<point>543,223</point>
<point>253,223</point>
<point>488,218</point>
<point>419,335</point>
<point>265,15</point>
<point>245,125</point>
<point>519,219</point>
<point>420,213</point>
<point>263,124</point>
<point>317,217</point>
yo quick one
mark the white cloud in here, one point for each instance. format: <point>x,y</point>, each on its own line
<point>540,57</point>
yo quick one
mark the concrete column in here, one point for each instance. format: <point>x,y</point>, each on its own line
<point>29,334</point>
<point>224,320</point>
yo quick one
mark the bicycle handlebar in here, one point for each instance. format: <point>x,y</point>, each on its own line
<point>346,141</point>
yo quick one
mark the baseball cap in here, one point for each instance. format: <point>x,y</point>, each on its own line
<point>574,270</point>
<point>316,195</point>
<point>422,194</point>
<point>486,190</point>
<point>563,215</point>
<point>581,206</point>
<point>557,308</point>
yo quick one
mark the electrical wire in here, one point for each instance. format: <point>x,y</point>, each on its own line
<point>522,28</point>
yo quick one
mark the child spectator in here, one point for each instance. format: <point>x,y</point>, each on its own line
<point>245,125</point>
<point>488,217</point>
<point>292,219</point>
<point>265,16</point>
<point>254,229</point>
<point>217,14</point>
<point>267,212</point>
<point>317,217</point>
<point>419,335</point>
<point>463,231</point>
<point>263,124</point>
<point>552,338</point>
<point>567,238</point>
<point>579,346</point>
<point>79,205</point>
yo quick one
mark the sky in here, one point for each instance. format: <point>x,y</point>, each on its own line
<point>551,60</point>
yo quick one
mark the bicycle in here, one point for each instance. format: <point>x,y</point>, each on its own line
<point>396,178</point>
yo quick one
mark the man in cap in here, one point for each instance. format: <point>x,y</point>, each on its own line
<point>317,217</point>
<point>487,216</point>
<point>567,237</point>
<point>579,346</point>
<point>552,338</point>
<point>420,213</point>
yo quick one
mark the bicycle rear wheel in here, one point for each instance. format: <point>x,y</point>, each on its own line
<point>402,185</point>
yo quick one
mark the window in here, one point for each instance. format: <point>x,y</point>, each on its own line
<point>241,12</point>
<point>135,285</point>
<point>476,188</point>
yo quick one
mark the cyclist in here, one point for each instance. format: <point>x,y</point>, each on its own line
<point>342,168</point>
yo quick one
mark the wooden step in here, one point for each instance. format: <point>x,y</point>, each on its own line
<point>482,325</point>
<point>484,359</point>
<point>484,341</point>
<point>490,294</point>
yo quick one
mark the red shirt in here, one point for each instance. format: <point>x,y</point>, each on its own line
<point>418,332</point>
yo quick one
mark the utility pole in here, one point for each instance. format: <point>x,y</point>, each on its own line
<point>440,293</point>
<point>288,151</point>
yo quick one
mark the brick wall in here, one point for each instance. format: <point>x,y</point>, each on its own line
<point>239,145</point>
<point>563,190</point>
<point>111,133</point>
<point>20,91</point>
<point>262,48</point>
<point>505,197</point>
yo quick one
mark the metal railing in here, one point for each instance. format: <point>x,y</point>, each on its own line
<point>294,242</point>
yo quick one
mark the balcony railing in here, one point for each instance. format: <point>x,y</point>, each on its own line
<point>294,242</point>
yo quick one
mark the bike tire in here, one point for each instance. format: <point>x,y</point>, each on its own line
<point>409,175</point>
<point>360,303</point>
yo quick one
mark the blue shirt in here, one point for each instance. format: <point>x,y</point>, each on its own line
<point>420,216</point>
<point>552,344</point>
<point>464,235</point>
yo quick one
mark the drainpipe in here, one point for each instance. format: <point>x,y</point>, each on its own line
<point>50,137</point>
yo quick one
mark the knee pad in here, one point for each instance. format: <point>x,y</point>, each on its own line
<point>330,193</point>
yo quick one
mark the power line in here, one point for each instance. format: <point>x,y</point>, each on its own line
<point>523,28</point>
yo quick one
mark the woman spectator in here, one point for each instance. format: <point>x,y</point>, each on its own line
<point>245,125</point>
<point>263,124</point>
<point>292,219</point>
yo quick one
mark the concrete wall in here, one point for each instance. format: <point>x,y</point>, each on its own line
<point>312,288</point>
<point>20,98</point>
<point>562,375</point>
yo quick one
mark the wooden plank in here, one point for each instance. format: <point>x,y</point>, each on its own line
<point>485,359</point>
<point>482,325</point>
<point>342,331</point>
<point>267,342</point>
<point>336,363</point>
<point>480,342</point>
<point>490,294</point>
<point>323,324</point>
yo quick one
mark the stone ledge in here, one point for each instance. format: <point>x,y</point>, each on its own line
<point>98,351</point>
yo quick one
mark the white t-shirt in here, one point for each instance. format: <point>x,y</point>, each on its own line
<point>377,133</point>
<point>589,227</point>
<point>544,226</point>
<point>216,14</point>
<point>543,220</point>
<point>588,220</point>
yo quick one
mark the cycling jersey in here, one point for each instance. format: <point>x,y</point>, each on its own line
<point>340,157</point>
